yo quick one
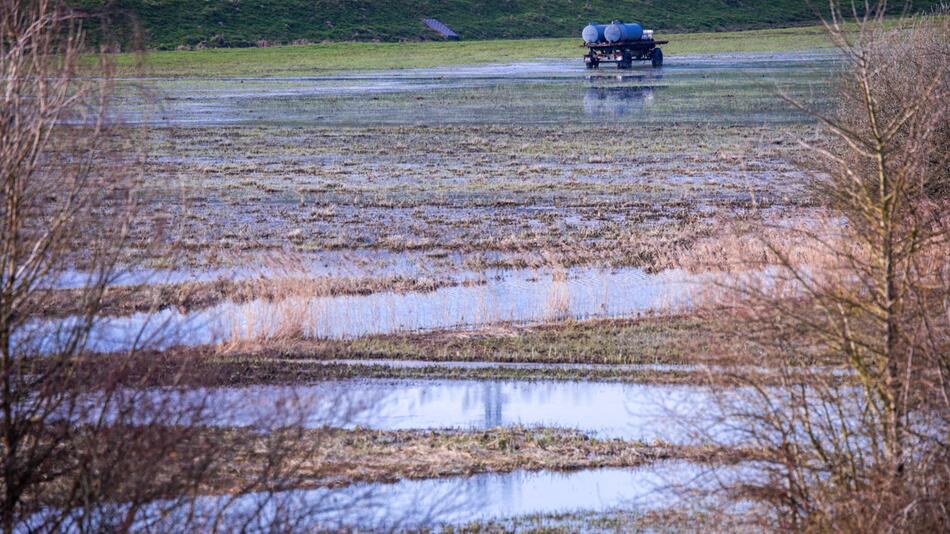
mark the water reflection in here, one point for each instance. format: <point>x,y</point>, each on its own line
<point>422,504</point>
<point>638,77</point>
<point>537,92</point>
<point>493,403</point>
<point>415,504</point>
<point>504,496</point>
<point>618,101</point>
<point>645,412</point>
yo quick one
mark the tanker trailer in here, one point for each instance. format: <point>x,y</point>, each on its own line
<point>623,44</point>
<point>594,33</point>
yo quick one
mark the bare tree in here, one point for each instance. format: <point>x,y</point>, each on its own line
<point>54,199</point>
<point>85,445</point>
<point>856,436</point>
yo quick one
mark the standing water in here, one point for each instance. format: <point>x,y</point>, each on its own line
<point>511,296</point>
<point>644,412</point>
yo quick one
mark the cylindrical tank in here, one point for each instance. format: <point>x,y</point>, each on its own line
<point>620,32</point>
<point>594,33</point>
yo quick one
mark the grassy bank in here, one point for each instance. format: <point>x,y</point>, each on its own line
<point>333,57</point>
<point>670,339</point>
<point>171,23</point>
<point>350,456</point>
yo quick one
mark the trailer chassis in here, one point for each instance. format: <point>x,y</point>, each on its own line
<point>624,54</point>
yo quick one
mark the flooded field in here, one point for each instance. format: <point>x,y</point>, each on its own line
<point>261,286</point>
<point>724,88</point>
<point>295,212</point>
<point>440,170</point>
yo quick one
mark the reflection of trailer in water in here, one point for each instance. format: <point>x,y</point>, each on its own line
<point>624,53</point>
<point>617,101</point>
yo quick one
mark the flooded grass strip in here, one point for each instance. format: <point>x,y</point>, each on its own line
<point>348,462</point>
<point>519,297</point>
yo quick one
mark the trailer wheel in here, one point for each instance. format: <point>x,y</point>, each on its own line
<point>626,61</point>
<point>657,57</point>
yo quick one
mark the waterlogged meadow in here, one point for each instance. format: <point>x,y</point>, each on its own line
<point>472,286</point>
<point>509,165</point>
<point>472,281</point>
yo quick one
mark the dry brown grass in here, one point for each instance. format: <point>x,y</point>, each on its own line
<point>200,295</point>
<point>739,247</point>
<point>664,339</point>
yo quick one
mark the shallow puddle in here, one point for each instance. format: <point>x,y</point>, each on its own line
<point>642,412</point>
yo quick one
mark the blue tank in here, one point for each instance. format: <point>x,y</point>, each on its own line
<point>619,32</point>
<point>594,33</point>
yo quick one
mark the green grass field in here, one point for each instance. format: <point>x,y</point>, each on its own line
<point>334,57</point>
<point>168,24</point>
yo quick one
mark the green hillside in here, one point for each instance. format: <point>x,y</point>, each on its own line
<point>235,23</point>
